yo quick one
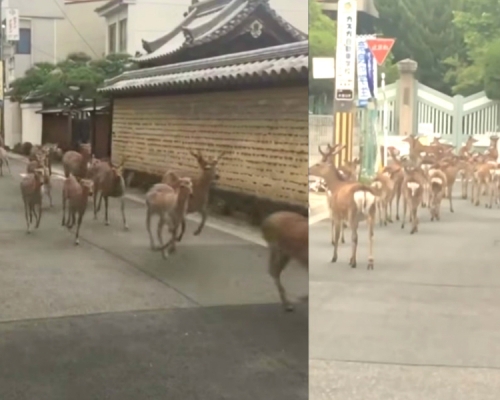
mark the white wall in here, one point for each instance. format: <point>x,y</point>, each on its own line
<point>31,123</point>
<point>13,131</point>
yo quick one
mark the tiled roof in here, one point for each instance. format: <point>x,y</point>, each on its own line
<point>209,20</point>
<point>288,61</point>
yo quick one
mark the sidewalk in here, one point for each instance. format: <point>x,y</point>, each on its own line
<point>228,225</point>
<point>318,207</point>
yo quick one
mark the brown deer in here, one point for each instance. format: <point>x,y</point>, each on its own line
<point>31,192</point>
<point>396,173</point>
<point>108,182</point>
<point>349,201</point>
<point>492,152</point>
<point>201,187</point>
<point>438,185</point>
<point>75,197</point>
<point>38,162</point>
<point>383,187</point>
<point>349,169</point>
<point>77,163</point>
<point>413,192</point>
<point>171,205</point>
<point>466,149</point>
<point>451,166</point>
<point>287,236</point>
<point>483,179</point>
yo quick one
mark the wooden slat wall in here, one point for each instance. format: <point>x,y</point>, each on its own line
<point>266,130</point>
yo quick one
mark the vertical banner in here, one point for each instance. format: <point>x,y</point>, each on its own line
<point>367,72</point>
<point>346,50</point>
<point>12,25</point>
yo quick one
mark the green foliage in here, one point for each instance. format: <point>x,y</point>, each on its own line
<point>492,71</point>
<point>322,43</point>
<point>71,83</point>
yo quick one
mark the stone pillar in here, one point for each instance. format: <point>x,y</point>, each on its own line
<point>407,95</point>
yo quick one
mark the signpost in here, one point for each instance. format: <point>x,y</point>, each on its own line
<point>345,75</point>
<point>380,49</point>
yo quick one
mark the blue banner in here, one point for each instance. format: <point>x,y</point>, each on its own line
<point>367,70</point>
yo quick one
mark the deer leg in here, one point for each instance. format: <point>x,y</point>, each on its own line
<point>26,215</point>
<point>203,213</point>
<point>172,248</point>
<point>277,263</point>
<point>371,223</point>
<point>342,230</point>
<point>148,227</point>
<point>72,219</point>
<point>49,194</point>
<point>354,238</point>
<point>7,164</point>
<point>414,217</point>
<point>39,217</point>
<point>332,227</point>
<point>183,229</point>
<point>159,234</point>
<point>479,188</point>
<point>122,209</point>
<point>489,187</point>
<point>398,198</point>
<point>63,210</point>
<point>78,225</point>
<point>106,218</point>
<point>94,198</point>
<point>450,196</point>
<point>338,226</point>
<point>425,196</point>
<point>403,219</point>
<point>99,202</point>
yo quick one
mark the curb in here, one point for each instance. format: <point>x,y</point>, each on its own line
<point>221,226</point>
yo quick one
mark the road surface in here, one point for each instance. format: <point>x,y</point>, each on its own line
<point>110,319</point>
<point>423,325</point>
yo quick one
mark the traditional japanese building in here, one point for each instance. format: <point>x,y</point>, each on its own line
<point>232,76</point>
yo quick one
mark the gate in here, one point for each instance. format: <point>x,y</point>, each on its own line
<point>80,129</point>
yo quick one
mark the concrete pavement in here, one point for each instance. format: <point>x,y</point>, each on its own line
<point>423,325</point>
<point>111,319</point>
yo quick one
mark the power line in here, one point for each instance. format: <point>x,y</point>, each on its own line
<point>74,27</point>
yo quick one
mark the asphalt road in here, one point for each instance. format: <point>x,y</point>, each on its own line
<point>110,319</point>
<point>423,325</point>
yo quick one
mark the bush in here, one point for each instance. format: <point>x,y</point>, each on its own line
<point>27,146</point>
<point>18,148</point>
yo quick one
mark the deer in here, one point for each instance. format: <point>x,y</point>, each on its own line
<point>451,167</point>
<point>287,236</point>
<point>492,152</point>
<point>77,163</point>
<point>4,159</point>
<point>438,185</point>
<point>348,201</point>
<point>466,149</point>
<point>413,192</point>
<point>170,203</point>
<point>326,158</point>
<point>75,197</point>
<point>108,182</point>
<point>395,172</point>
<point>349,169</point>
<point>38,162</point>
<point>31,192</point>
<point>201,187</point>
<point>483,179</point>
<point>383,187</point>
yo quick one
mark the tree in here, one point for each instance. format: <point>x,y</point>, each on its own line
<point>69,83</point>
<point>424,32</point>
<point>478,25</point>
<point>491,70</point>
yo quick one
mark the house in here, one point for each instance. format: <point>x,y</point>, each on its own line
<point>81,29</point>
<point>37,43</point>
<point>129,21</point>
<point>231,76</point>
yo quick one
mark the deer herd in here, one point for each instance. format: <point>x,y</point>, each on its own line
<point>423,179</point>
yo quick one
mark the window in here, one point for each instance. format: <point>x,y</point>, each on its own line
<point>112,38</point>
<point>123,35</point>
<point>23,46</point>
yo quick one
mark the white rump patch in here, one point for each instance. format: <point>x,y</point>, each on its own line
<point>413,186</point>
<point>376,185</point>
<point>437,180</point>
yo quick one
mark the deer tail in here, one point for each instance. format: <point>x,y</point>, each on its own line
<point>436,184</point>
<point>364,200</point>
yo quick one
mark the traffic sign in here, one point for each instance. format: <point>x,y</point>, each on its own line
<point>380,48</point>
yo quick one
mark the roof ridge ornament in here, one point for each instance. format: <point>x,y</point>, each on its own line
<point>256,29</point>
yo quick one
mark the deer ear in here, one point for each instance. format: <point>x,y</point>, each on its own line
<point>171,179</point>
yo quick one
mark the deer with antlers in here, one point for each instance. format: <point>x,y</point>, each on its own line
<point>348,201</point>
<point>201,187</point>
<point>108,182</point>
